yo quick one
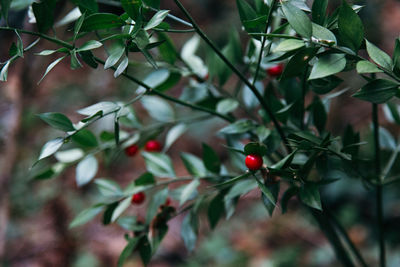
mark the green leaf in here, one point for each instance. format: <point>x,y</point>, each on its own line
<point>75,63</point>
<point>241,188</point>
<point>51,66</point>
<point>86,170</point>
<point>351,29</point>
<point>270,206</point>
<point>44,14</point>
<point>238,127</point>
<point>109,212</point>
<point>189,231</point>
<point>325,85</point>
<point>86,215</point>
<point>289,45</point>
<point>297,19</point>
<point>215,210</point>
<point>100,21</point>
<point>103,107</point>
<point>396,57</point>
<point>194,165</point>
<point>378,91</point>
<point>158,108</point>
<point>378,56</point>
<point>78,25</point>
<point>173,134</point>
<point>128,250</point>
<point>70,155</point>
<point>121,67</point>
<point>108,188</point>
<point>122,206</point>
<point>188,191</point>
<point>285,162</point>
<point>51,147</point>
<point>309,195</point>
<point>167,49</point>
<point>267,193</point>
<point>328,64</point>
<point>364,66</point>
<point>289,193</point>
<point>323,34</point>
<point>89,45</point>
<point>85,138</point>
<point>57,121</point>
<point>210,159</point>
<point>298,62</point>
<point>159,164</point>
<point>246,12</point>
<point>116,53</point>
<point>145,179</point>
<point>132,8</point>
<point>319,11</point>
<point>5,6</point>
<point>394,113</point>
<point>157,200</point>
<point>145,250</point>
<point>88,6</point>
<point>227,105</point>
<point>255,148</point>
<point>156,19</point>
<point>4,71</point>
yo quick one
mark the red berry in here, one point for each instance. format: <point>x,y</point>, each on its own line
<point>138,198</point>
<point>168,202</point>
<point>131,150</point>
<point>253,162</point>
<point>153,146</point>
<point>275,71</point>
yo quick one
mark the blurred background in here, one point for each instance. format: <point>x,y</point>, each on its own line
<point>34,215</point>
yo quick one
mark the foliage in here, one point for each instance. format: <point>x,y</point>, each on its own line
<point>291,136</point>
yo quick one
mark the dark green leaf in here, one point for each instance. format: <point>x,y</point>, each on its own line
<point>167,49</point>
<point>132,8</point>
<point>396,57</point>
<point>78,25</point>
<point>378,56</point>
<point>351,29</point>
<point>86,215</point>
<point>88,6</point>
<point>241,188</point>
<point>99,21</point>
<point>270,206</point>
<point>145,250</point>
<point>328,64</point>
<point>289,193</point>
<point>298,62</point>
<point>298,20</point>
<point>319,11</point>
<point>325,85</point>
<point>319,114</point>
<point>5,6</point>
<point>309,195</point>
<point>57,121</point>
<point>378,91</point>
<point>194,165</point>
<point>108,213</point>
<point>255,148</point>
<point>266,192</point>
<point>289,45</point>
<point>211,159</point>
<point>85,138</point>
<point>88,58</point>
<point>44,14</point>
<point>128,250</point>
<point>215,210</point>
<point>145,179</point>
<point>285,162</point>
<point>246,12</point>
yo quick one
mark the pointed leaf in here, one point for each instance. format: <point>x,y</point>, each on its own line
<point>298,20</point>
<point>51,147</point>
<point>378,56</point>
<point>57,121</point>
<point>378,91</point>
<point>86,170</point>
<point>327,65</point>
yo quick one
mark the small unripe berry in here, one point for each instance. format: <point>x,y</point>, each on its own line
<point>138,198</point>
<point>153,146</point>
<point>275,71</point>
<point>253,162</point>
<point>131,150</point>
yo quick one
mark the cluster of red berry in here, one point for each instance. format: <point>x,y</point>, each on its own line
<point>130,151</point>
